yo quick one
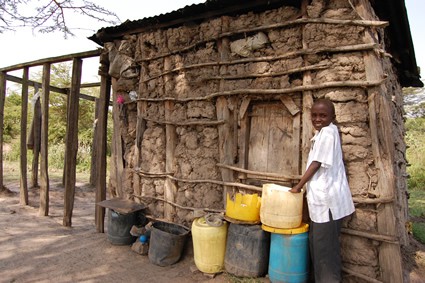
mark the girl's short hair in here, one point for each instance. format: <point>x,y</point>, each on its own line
<point>328,103</point>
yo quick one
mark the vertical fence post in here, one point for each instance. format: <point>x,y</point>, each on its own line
<point>44,168</point>
<point>2,99</point>
<point>105,93</point>
<point>23,195</point>
<point>93,164</point>
<point>71,144</point>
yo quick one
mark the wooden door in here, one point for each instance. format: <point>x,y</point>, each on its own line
<point>274,138</point>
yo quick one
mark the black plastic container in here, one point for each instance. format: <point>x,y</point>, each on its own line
<point>166,244</point>
<point>247,250</point>
<point>119,226</point>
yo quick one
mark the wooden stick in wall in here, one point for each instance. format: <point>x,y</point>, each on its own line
<point>306,51</point>
<point>336,84</point>
<point>365,23</point>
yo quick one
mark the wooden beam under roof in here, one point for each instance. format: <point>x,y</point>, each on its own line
<point>53,60</point>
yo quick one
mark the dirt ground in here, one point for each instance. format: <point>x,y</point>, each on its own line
<point>40,249</point>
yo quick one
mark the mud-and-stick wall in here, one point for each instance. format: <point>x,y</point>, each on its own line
<point>167,143</point>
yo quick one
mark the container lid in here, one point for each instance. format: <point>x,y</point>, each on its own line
<point>298,230</point>
<point>210,220</point>
<point>276,187</point>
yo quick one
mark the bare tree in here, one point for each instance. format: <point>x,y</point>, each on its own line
<point>48,16</point>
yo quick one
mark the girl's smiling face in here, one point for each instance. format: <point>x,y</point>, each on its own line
<point>321,115</point>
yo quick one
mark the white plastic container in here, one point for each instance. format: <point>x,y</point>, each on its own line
<point>281,208</point>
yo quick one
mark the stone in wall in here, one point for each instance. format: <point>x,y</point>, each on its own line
<point>356,130</point>
<point>244,21</point>
<point>130,157</point>
<point>153,153</point>
<point>258,68</point>
<point>149,45</point>
<point>279,15</point>
<point>179,112</point>
<point>201,110</point>
<point>343,67</point>
<point>197,82</point>
<point>359,251</point>
<point>286,40</point>
<point>358,179</point>
<point>355,152</point>
<point>210,30</point>
<point>326,35</point>
<point>364,219</point>
<point>196,154</point>
<point>230,85</point>
<point>204,54</point>
<point>153,188</point>
<point>127,186</point>
<point>370,271</point>
<point>350,139</point>
<point>122,64</point>
<point>346,94</point>
<point>155,111</point>
<point>351,112</point>
<point>128,45</point>
<point>337,13</point>
<point>181,37</point>
<point>286,65</point>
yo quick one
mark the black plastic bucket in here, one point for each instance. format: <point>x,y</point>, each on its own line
<point>166,243</point>
<point>247,250</point>
<point>119,226</point>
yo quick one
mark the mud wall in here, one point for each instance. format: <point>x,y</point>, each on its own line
<point>169,130</point>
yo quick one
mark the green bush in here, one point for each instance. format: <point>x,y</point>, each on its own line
<point>415,135</point>
<point>419,231</point>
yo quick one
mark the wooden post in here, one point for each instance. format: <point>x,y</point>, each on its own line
<point>380,124</point>
<point>2,100</point>
<point>307,102</point>
<point>170,189</point>
<point>243,137</point>
<point>140,130</point>
<point>141,127</point>
<point>44,180</point>
<point>71,144</point>
<point>23,194</point>
<point>95,144</point>
<point>225,131</point>
<point>105,93</point>
<point>36,132</point>
<point>117,161</point>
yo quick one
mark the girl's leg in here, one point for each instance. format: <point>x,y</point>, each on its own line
<point>325,250</point>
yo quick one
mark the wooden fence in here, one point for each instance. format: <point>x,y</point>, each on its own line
<point>71,143</point>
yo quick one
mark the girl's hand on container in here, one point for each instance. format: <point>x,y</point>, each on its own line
<point>295,190</point>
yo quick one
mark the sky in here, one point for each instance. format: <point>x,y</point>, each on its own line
<point>23,45</point>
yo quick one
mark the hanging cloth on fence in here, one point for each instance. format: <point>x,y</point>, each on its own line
<point>34,137</point>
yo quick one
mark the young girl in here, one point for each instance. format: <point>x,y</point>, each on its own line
<point>328,195</point>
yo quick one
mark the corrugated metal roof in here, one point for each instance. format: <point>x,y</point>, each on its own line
<point>399,40</point>
<point>193,13</point>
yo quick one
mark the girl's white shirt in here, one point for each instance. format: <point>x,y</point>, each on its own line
<point>328,188</point>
